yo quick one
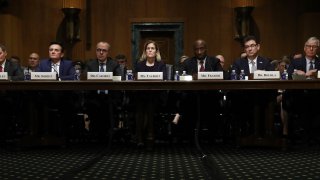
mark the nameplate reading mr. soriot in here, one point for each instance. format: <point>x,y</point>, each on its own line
<point>4,76</point>
<point>99,75</point>
<point>266,75</point>
<point>43,76</point>
<point>150,76</point>
<point>210,75</point>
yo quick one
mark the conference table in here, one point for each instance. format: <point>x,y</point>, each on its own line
<point>195,86</point>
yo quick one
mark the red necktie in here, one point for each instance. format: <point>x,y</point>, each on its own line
<point>201,66</point>
<point>1,69</point>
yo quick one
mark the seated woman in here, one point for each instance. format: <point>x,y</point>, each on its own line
<point>150,61</point>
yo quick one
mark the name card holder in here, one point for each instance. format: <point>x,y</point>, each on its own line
<point>186,78</point>
<point>4,76</point>
<point>46,76</point>
<point>150,76</point>
<point>100,76</point>
<point>116,78</point>
<point>210,75</point>
<point>264,75</point>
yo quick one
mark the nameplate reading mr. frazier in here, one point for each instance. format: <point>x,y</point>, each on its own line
<point>44,76</point>
<point>150,76</point>
<point>99,75</point>
<point>210,75</point>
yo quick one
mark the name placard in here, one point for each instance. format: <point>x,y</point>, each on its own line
<point>210,75</point>
<point>116,78</point>
<point>4,76</point>
<point>150,76</point>
<point>266,75</point>
<point>43,76</point>
<point>100,75</point>
<point>186,78</point>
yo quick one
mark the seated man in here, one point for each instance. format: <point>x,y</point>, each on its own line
<point>249,107</point>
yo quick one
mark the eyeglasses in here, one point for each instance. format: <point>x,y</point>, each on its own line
<point>250,46</point>
<point>311,46</point>
<point>102,50</point>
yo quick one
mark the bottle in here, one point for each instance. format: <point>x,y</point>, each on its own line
<point>242,76</point>
<point>129,75</point>
<point>77,75</point>
<point>184,73</point>
<point>27,75</point>
<point>284,75</point>
<point>176,76</point>
<point>233,75</point>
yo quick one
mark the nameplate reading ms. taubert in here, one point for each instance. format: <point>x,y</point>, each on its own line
<point>43,76</point>
<point>150,76</point>
<point>210,75</point>
<point>4,76</point>
<point>266,75</point>
<point>100,75</point>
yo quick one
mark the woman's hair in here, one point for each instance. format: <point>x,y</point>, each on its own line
<point>144,56</point>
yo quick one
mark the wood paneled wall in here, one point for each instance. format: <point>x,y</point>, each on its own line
<point>28,26</point>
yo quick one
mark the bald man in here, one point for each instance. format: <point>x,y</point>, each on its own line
<point>201,61</point>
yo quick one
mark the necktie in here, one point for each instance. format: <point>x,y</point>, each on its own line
<point>201,66</point>
<point>101,68</point>
<point>1,69</point>
<point>311,65</point>
<point>253,66</point>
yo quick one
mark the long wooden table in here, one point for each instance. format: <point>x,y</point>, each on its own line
<point>161,85</point>
<point>196,85</point>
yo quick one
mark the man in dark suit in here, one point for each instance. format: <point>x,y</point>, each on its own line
<point>13,69</point>
<point>57,105</point>
<point>99,104</point>
<point>9,99</point>
<point>56,63</point>
<point>201,61</point>
<point>252,118</point>
<point>301,102</point>
<point>252,61</point>
<point>194,105</point>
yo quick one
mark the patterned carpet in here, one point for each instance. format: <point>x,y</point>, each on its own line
<point>167,161</point>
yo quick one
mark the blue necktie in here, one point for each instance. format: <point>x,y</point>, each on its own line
<point>311,65</point>
<point>101,67</point>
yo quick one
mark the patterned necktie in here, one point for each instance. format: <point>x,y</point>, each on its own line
<point>311,65</point>
<point>201,66</point>
<point>253,66</point>
<point>101,67</point>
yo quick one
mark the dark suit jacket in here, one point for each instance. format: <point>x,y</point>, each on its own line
<point>158,67</point>
<point>262,64</point>
<point>66,69</point>
<point>301,64</point>
<point>112,66</point>
<point>190,65</point>
<point>14,70</point>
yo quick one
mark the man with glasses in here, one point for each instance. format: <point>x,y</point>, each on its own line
<point>309,63</point>
<point>99,104</point>
<point>252,61</point>
<point>251,118</point>
<point>301,102</point>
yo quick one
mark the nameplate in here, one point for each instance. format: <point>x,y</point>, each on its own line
<point>116,78</point>
<point>185,78</point>
<point>318,75</point>
<point>100,75</point>
<point>210,75</point>
<point>4,76</point>
<point>266,75</point>
<point>150,76</point>
<point>43,76</point>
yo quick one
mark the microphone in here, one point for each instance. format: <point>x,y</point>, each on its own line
<point>54,67</point>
